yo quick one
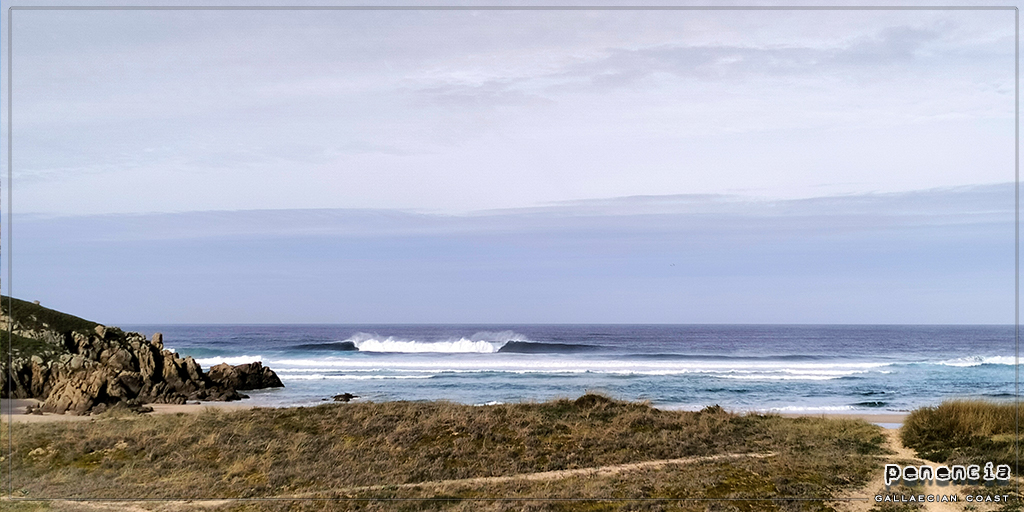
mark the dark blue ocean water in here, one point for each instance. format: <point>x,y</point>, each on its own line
<point>787,368</point>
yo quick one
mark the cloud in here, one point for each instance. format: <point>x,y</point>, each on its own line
<point>894,45</point>
<point>932,256</point>
<point>170,111</point>
<point>710,214</point>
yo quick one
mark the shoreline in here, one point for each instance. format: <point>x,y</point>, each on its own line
<point>14,410</point>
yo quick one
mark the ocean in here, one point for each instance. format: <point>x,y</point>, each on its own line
<point>784,368</point>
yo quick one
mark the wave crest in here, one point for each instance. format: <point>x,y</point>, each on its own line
<point>403,346</point>
<point>207,362</point>
<point>978,361</point>
<point>483,342</point>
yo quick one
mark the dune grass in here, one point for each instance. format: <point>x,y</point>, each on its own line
<point>963,431</point>
<point>331,451</point>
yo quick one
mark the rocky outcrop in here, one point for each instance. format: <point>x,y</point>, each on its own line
<point>91,367</point>
<point>245,376</point>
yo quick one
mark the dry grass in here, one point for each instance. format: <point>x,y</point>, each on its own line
<point>962,430</point>
<point>326,451</point>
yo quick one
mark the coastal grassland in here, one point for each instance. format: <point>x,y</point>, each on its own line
<point>432,455</point>
<point>963,431</point>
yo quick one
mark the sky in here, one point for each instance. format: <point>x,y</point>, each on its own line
<point>514,166</point>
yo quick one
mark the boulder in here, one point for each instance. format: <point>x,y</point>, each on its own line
<point>149,362</point>
<point>131,381</point>
<point>40,383</point>
<point>80,391</point>
<point>244,376</point>
<point>194,371</point>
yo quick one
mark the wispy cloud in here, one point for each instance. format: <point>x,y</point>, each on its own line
<point>928,256</point>
<point>459,111</point>
<point>710,214</point>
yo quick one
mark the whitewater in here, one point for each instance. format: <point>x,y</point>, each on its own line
<point>796,368</point>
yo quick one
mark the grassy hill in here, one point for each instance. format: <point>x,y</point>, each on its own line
<point>34,317</point>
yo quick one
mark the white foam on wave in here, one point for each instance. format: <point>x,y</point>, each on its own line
<point>483,342</point>
<point>207,362</point>
<point>318,376</point>
<point>811,409</point>
<point>768,376</point>
<point>462,345</point>
<point>477,364</point>
<point>978,361</point>
<point>501,337</point>
<point>545,364</point>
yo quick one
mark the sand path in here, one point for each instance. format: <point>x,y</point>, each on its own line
<point>905,456</point>
<point>548,475</point>
<point>131,506</point>
<point>128,505</point>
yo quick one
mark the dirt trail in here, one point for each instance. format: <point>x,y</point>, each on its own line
<point>175,506</point>
<point>553,475</point>
<point>128,505</point>
<point>905,456</point>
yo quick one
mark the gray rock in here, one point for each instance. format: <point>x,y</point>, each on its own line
<point>90,372</point>
<point>244,376</point>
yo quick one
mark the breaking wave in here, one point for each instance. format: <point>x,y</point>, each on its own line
<point>207,362</point>
<point>978,361</point>
<point>484,342</point>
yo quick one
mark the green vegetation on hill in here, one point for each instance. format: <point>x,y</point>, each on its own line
<point>24,347</point>
<point>962,431</point>
<point>424,451</point>
<point>31,316</point>
<point>38,331</point>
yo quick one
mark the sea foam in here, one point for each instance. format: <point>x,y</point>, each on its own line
<point>207,362</point>
<point>978,361</point>
<point>411,347</point>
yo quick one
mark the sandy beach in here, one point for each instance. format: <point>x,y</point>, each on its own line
<point>14,410</point>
